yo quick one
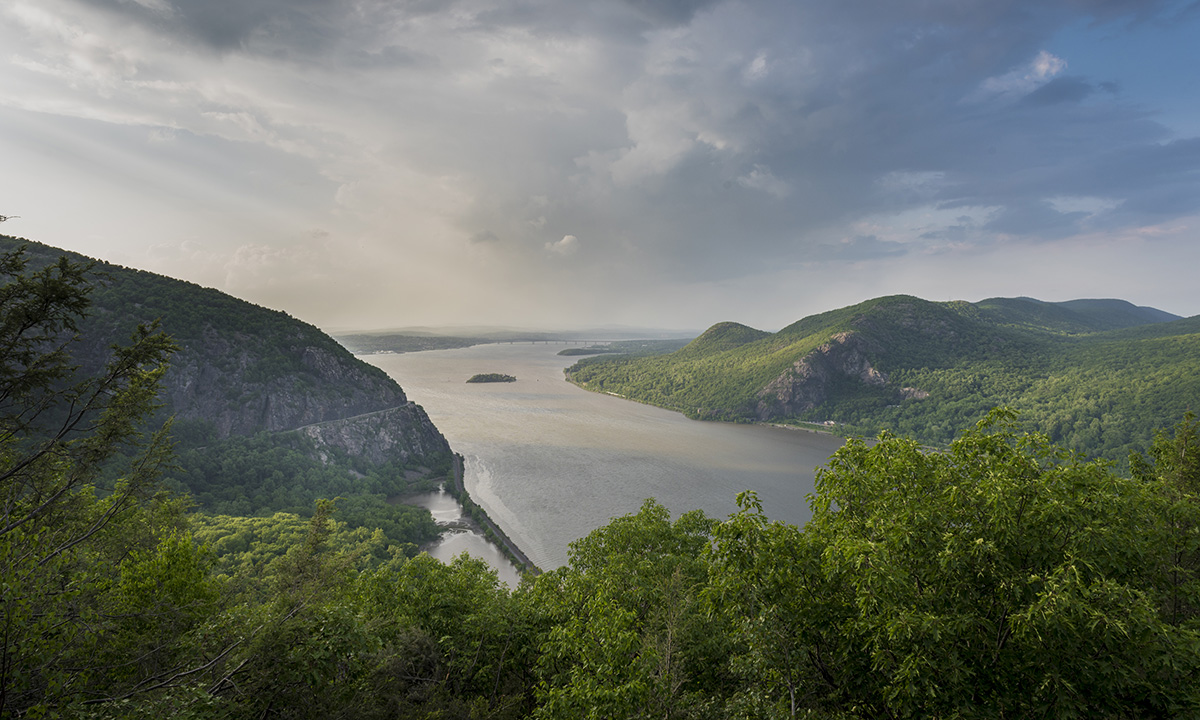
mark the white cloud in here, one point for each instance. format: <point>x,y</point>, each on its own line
<point>694,148</point>
<point>1025,79</point>
<point>567,246</point>
<point>758,68</point>
<point>761,178</point>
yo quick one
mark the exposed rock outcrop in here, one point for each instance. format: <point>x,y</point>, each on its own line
<point>810,380</point>
<point>398,434</point>
<point>244,369</point>
<point>911,393</point>
<point>226,379</point>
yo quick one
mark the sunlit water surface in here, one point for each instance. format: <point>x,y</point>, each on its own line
<point>447,511</point>
<point>551,462</point>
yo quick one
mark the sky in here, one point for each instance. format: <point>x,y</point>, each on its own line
<point>366,164</point>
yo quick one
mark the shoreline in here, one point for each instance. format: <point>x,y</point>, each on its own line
<point>815,428</point>
<point>474,514</point>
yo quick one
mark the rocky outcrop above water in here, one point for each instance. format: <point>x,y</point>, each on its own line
<point>227,379</point>
<point>810,380</point>
<point>813,379</point>
<point>400,434</point>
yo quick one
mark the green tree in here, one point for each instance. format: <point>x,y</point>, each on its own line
<point>1000,578</point>
<point>630,634</point>
<point>294,645</point>
<point>1173,466</point>
<point>96,576</point>
<point>767,577</point>
<point>467,641</point>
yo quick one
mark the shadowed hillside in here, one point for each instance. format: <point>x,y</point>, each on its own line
<point>270,413</point>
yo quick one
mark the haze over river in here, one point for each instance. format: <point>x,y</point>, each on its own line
<point>550,462</point>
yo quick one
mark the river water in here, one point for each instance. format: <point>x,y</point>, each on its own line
<point>447,511</point>
<point>551,462</point>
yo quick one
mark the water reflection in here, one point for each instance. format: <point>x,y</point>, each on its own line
<point>551,462</point>
<point>461,538</point>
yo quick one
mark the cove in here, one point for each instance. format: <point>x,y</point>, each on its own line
<point>550,462</point>
<point>447,512</point>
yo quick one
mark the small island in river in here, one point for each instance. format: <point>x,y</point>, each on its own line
<point>491,377</point>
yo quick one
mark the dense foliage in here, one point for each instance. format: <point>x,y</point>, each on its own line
<point>1098,377</point>
<point>491,378</point>
<point>1000,577</point>
<point>259,351</point>
<point>270,473</point>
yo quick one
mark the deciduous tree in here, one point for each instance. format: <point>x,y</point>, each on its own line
<point>1002,577</point>
<point>87,566</point>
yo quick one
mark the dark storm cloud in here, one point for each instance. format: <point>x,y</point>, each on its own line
<point>228,24</point>
<point>681,141</point>
<point>1062,89</point>
<point>747,132</point>
<point>670,11</point>
<point>826,100</point>
<point>1038,219</point>
<point>285,28</point>
<point>302,27</point>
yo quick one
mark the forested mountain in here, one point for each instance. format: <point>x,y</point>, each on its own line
<point>1098,376</point>
<point>241,367</point>
<point>1072,317</point>
<point>270,413</point>
<point>1000,577</point>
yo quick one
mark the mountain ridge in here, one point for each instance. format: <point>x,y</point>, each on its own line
<point>243,367</point>
<point>910,365</point>
<point>249,386</point>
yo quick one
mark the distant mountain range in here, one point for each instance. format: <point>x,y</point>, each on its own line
<point>418,339</point>
<point>1097,376</point>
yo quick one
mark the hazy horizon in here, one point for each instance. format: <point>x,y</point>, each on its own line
<point>664,163</point>
<point>632,331</point>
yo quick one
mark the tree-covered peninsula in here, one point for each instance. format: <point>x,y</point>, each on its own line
<point>1097,376</point>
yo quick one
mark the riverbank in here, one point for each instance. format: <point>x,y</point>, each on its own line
<point>486,526</point>
<point>551,462</point>
<point>817,428</point>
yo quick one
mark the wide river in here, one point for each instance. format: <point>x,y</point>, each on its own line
<point>551,462</point>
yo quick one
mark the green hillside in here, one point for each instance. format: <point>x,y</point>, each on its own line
<point>1073,317</point>
<point>999,577</point>
<point>268,411</point>
<point>1097,376</point>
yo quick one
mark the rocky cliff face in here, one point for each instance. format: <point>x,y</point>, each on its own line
<point>401,434</point>
<point>811,380</point>
<point>244,369</point>
<point>220,378</point>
